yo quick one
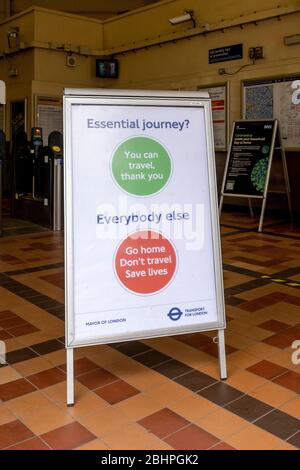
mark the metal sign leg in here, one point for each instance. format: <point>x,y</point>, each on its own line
<point>221,205</point>
<point>222,355</point>
<point>262,214</point>
<point>250,207</point>
<point>70,377</point>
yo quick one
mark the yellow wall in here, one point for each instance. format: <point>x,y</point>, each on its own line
<point>52,26</point>
<point>93,8</point>
<point>179,65</point>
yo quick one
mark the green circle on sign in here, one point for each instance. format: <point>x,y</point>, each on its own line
<point>141,166</point>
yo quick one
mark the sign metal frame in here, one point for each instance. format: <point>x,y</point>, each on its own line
<point>82,97</point>
<point>276,137</point>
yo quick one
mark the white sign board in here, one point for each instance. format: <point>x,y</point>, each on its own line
<point>50,118</point>
<point>218,98</point>
<point>142,238</point>
<point>2,92</point>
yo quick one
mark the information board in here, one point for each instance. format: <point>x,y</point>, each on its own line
<point>270,99</point>
<point>142,234</point>
<point>225,53</point>
<point>49,116</point>
<point>248,159</point>
<point>218,96</point>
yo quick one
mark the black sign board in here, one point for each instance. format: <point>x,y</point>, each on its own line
<point>222,54</point>
<point>248,158</point>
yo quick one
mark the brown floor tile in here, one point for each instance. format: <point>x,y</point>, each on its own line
<point>191,438</point>
<point>295,440</point>
<point>116,392</point>
<point>279,341</point>
<point>12,433</point>
<point>97,378</point>
<point>23,330</point>
<point>47,378</point>
<point>279,424</point>
<point>212,349</point>
<point>7,315</point>
<point>151,358</point>
<point>15,389</point>
<point>56,279</point>
<point>12,323</point>
<point>267,369</point>
<point>249,408</point>
<point>172,369</point>
<point>133,348</point>
<point>290,380</point>
<point>197,340</point>
<point>222,446</point>
<point>81,366</point>
<point>47,346</point>
<point>195,381</point>
<point>220,393</point>
<point>30,444</point>
<point>163,422</point>
<point>273,325</point>
<point>20,355</point>
<point>4,335</point>
<point>68,437</point>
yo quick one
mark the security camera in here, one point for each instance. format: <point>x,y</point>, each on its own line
<point>187,16</point>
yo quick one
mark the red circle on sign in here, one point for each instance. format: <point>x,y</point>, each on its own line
<point>145,262</point>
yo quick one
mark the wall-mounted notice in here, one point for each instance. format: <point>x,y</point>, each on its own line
<point>271,99</point>
<point>49,116</point>
<point>142,243</point>
<point>218,96</point>
<point>249,158</point>
<point>225,53</point>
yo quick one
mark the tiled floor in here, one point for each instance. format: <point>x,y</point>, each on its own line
<point>160,393</point>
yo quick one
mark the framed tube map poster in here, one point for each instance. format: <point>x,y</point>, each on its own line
<point>274,99</point>
<point>142,235</point>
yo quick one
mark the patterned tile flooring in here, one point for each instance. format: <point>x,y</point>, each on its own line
<point>161,393</point>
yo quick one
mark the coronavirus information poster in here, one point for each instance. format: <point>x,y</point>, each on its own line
<point>249,157</point>
<point>142,235</point>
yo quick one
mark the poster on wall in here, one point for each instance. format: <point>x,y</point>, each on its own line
<point>142,244</point>
<point>272,99</point>
<point>49,116</point>
<point>2,117</point>
<point>248,158</point>
<point>218,98</point>
<point>18,117</point>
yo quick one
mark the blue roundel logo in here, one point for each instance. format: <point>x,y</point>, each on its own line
<point>175,314</point>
